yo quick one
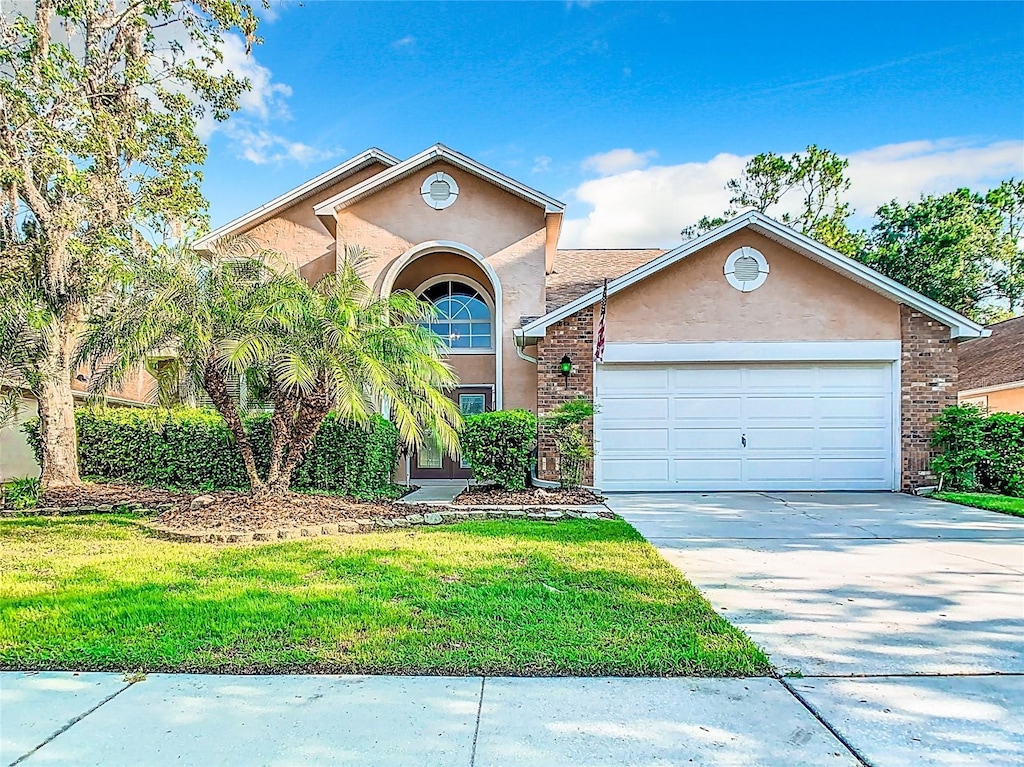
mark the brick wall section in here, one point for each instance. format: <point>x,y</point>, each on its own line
<point>573,336</point>
<point>929,383</point>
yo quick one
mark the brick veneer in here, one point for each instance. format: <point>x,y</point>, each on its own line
<point>573,336</point>
<point>928,384</point>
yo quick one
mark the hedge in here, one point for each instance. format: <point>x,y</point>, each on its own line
<point>192,449</point>
<point>979,451</point>
<point>499,446</point>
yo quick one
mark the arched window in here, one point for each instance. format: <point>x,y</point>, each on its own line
<point>463,316</point>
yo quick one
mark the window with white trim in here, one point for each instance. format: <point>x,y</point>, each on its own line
<point>462,316</point>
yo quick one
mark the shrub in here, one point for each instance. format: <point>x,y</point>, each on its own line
<point>980,452</point>
<point>499,446</point>
<point>192,449</point>
<point>960,436</point>
<point>574,449</point>
<point>22,493</point>
<point>1003,467</point>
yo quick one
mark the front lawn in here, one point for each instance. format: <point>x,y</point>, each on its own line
<point>1004,503</point>
<point>488,597</point>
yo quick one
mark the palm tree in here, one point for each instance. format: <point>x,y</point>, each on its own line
<point>240,312</point>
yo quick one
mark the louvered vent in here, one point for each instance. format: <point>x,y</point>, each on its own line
<point>746,268</point>
<point>440,190</point>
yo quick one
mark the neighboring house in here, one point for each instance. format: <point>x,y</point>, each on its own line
<point>750,358</point>
<point>992,369</point>
<point>16,459</point>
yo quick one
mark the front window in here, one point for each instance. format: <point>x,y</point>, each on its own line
<point>463,318</point>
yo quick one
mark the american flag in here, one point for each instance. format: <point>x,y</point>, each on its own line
<point>599,346</point>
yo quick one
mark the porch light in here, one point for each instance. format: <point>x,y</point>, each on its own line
<point>565,366</point>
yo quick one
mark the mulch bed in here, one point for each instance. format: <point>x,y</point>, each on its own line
<point>95,494</point>
<point>237,511</point>
<point>491,495</point>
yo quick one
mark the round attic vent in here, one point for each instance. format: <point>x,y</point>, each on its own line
<point>746,269</point>
<point>439,190</point>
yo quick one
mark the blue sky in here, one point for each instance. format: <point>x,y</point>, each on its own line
<point>632,113</point>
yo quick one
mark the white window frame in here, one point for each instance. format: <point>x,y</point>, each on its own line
<point>484,296</point>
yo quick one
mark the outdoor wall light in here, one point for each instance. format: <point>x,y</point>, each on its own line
<point>565,366</point>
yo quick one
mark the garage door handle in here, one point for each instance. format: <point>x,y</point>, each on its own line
<point>743,440</point>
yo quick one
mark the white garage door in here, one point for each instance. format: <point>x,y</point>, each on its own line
<point>800,426</point>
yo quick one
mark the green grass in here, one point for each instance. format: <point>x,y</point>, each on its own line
<point>488,597</point>
<point>1004,503</point>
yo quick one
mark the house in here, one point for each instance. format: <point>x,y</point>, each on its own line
<point>992,369</point>
<point>750,358</point>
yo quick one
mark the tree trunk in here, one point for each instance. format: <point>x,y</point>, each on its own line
<point>282,424</point>
<point>58,438</point>
<point>217,390</point>
<point>311,416</point>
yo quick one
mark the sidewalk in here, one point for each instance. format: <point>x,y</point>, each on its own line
<point>60,718</point>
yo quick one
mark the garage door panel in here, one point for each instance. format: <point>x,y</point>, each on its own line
<point>634,409</point>
<point>780,407</point>
<point>632,379</point>
<point>699,439</point>
<point>630,440</point>
<point>692,470</point>
<point>808,426</point>
<point>786,439</point>
<point>855,438</point>
<point>634,471</point>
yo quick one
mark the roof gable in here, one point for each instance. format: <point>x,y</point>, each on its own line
<point>996,360</point>
<point>281,202</point>
<point>960,326</point>
<point>328,208</point>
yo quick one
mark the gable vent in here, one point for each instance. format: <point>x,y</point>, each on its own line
<point>746,269</point>
<point>440,190</point>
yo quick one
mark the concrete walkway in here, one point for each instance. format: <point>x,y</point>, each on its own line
<point>100,719</point>
<point>899,619</point>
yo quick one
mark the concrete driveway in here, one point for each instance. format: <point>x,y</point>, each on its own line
<point>890,614</point>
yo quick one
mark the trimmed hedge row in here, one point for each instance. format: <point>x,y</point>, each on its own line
<point>192,448</point>
<point>979,451</point>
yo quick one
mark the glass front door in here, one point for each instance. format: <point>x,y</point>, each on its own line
<point>430,462</point>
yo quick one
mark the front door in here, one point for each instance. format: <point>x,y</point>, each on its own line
<point>430,462</point>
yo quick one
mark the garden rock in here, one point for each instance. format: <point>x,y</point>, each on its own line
<point>414,519</point>
<point>553,515</point>
<point>591,515</point>
<point>432,519</point>
<point>201,502</point>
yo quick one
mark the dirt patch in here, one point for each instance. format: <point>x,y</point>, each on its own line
<point>490,495</point>
<point>239,512</point>
<point>112,495</point>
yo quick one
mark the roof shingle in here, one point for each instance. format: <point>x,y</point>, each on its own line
<point>577,272</point>
<point>996,360</point>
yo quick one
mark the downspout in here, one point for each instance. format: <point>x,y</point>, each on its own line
<point>519,349</point>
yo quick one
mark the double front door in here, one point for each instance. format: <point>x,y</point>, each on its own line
<point>430,462</point>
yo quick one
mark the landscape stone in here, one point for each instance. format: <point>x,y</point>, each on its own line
<point>477,514</point>
<point>264,535</point>
<point>497,513</point>
<point>590,515</point>
<point>417,519</point>
<point>535,514</point>
<point>348,527</point>
<point>553,514</point>
<point>432,519</point>
<point>201,502</point>
<point>386,523</point>
<point>309,531</point>
<point>516,513</point>
<point>285,533</point>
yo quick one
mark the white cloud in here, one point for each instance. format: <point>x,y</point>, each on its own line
<point>260,146</point>
<point>648,206</point>
<point>404,42</point>
<point>541,164</point>
<point>617,161</point>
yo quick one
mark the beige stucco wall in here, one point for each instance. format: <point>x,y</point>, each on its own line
<point>16,459</point>
<point>507,231</point>
<point>300,236</point>
<point>1004,401</point>
<point>800,301</point>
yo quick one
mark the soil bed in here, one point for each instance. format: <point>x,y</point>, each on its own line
<point>97,494</point>
<point>239,512</point>
<point>491,495</point>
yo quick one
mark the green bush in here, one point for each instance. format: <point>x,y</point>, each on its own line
<point>21,493</point>
<point>960,437</point>
<point>499,446</point>
<point>1003,468</point>
<point>192,449</point>
<point>565,423</point>
<point>980,452</point>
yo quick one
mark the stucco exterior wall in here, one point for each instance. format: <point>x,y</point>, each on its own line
<point>1003,401</point>
<point>16,459</point>
<point>299,235</point>
<point>508,232</point>
<point>800,301</point>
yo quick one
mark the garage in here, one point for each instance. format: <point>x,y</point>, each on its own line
<point>746,426</point>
